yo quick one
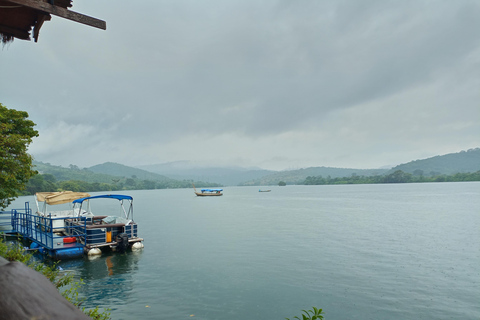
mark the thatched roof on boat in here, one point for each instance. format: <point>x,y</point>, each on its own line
<point>22,19</point>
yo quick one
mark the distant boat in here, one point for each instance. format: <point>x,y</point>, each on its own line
<point>264,190</point>
<point>208,192</point>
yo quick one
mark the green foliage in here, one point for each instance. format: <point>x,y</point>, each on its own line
<point>41,183</point>
<point>13,251</point>
<point>292,177</point>
<point>398,177</point>
<point>310,314</point>
<point>96,314</point>
<point>395,177</point>
<point>449,164</point>
<point>71,294</point>
<point>16,133</point>
<point>57,178</point>
<point>72,173</point>
<point>282,183</point>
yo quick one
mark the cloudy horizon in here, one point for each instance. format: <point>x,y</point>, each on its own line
<point>272,84</point>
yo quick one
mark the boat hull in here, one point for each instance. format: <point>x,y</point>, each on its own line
<point>208,194</point>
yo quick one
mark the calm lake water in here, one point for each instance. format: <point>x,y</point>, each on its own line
<point>398,251</point>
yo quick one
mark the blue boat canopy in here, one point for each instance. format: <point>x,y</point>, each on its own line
<point>105,196</point>
<point>211,190</point>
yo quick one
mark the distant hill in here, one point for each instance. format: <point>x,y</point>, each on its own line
<point>298,176</point>
<point>463,162</point>
<point>114,173</point>
<point>72,173</point>
<point>181,174</point>
<point>120,170</point>
<point>460,162</point>
<point>185,170</point>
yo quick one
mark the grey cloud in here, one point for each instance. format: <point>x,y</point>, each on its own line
<point>245,68</point>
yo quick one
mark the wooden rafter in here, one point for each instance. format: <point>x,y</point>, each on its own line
<point>17,33</point>
<point>61,12</point>
<point>41,18</point>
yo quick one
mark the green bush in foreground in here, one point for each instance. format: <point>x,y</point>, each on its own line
<point>63,282</point>
<point>310,314</point>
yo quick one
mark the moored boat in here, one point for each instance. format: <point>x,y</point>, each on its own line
<point>117,232</point>
<point>208,192</point>
<point>56,205</point>
<point>71,234</point>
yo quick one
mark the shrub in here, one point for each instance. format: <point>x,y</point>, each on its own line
<point>310,314</point>
<point>13,251</point>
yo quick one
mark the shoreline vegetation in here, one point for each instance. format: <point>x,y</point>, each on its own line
<point>13,251</point>
<point>396,177</point>
<point>111,176</point>
<point>48,183</point>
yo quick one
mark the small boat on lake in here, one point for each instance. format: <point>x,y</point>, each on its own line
<point>208,192</point>
<point>264,190</point>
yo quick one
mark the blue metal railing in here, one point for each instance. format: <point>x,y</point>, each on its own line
<point>47,232</point>
<point>5,221</point>
<point>7,218</point>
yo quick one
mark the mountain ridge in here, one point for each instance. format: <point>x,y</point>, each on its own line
<point>228,175</point>
<point>451,163</point>
<point>187,172</point>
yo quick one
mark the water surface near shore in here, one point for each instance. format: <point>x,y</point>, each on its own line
<point>399,251</point>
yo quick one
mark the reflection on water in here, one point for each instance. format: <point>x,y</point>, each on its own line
<point>107,277</point>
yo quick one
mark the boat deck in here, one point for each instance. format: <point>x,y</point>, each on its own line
<point>71,240</point>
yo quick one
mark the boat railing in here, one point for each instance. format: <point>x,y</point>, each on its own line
<point>76,227</point>
<point>42,230</point>
<point>6,221</point>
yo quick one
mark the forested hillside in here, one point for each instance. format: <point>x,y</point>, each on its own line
<point>396,177</point>
<point>454,167</point>
<point>114,176</point>
<point>119,170</point>
<point>460,162</point>
<point>449,164</point>
<point>55,178</point>
<point>72,173</point>
<point>299,176</point>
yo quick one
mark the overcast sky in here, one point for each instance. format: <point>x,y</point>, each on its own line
<point>273,84</point>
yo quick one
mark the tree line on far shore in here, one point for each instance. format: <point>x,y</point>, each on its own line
<point>396,177</point>
<point>48,183</point>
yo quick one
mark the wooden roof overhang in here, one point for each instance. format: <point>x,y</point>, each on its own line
<point>18,17</point>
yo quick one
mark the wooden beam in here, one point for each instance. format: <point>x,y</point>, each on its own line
<point>62,12</point>
<point>19,34</point>
<point>41,17</point>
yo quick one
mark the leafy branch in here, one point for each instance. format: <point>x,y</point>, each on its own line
<point>315,314</point>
